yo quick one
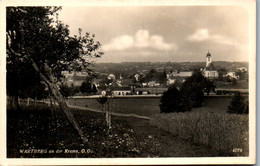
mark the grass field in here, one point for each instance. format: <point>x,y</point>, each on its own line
<point>225,133</point>
<point>141,106</point>
<point>35,133</point>
<point>148,106</point>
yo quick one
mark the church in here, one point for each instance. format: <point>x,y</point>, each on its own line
<point>210,71</point>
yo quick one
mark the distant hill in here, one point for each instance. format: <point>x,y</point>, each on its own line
<point>126,69</point>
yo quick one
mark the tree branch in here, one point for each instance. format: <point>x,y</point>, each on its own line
<point>10,50</point>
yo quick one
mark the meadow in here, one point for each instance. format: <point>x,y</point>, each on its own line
<point>146,106</point>
<point>225,133</point>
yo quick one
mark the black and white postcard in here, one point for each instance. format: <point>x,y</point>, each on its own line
<point>128,82</point>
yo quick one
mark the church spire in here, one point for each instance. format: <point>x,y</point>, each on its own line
<point>208,59</point>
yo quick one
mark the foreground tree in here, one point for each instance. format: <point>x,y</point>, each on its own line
<point>34,39</point>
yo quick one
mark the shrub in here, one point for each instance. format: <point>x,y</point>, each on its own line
<point>234,81</point>
<point>173,101</point>
<point>238,105</point>
<point>220,131</point>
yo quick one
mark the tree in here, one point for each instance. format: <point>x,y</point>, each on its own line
<point>233,81</point>
<point>152,75</point>
<point>182,97</point>
<point>173,101</point>
<point>35,39</point>
<point>163,78</point>
<point>178,83</point>
<point>238,105</point>
<point>209,86</point>
<point>222,72</point>
<point>193,88</point>
<point>86,86</point>
<point>94,89</point>
<point>240,74</point>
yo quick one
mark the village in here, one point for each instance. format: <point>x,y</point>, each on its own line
<point>157,80</point>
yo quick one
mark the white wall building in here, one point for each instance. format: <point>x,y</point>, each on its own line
<point>121,92</point>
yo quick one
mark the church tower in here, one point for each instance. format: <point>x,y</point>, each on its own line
<point>209,71</point>
<point>208,60</point>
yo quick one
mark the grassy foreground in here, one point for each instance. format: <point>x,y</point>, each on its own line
<point>220,131</point>
<point>36,133</point>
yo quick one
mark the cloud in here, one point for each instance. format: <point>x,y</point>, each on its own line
<point>157,42</point>
<point>204,35</point>
<point>120,43</point>
<point>199,35</point>
<point>141,39</point>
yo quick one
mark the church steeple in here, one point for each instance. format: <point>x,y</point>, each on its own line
<point>208,59</point>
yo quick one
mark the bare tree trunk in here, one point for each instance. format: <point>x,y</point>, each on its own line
<point>18,100</point>
<point>51,107</point>
<point>14,103</point>
<point>28,101</point>
<point>108,116</point>
<point>35,101</point>
<point>57,95</point>
<point>51,104</point>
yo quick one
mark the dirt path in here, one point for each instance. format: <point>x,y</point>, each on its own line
<point>112,113</point>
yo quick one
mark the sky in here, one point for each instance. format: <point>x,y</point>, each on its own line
<point>163,33</point>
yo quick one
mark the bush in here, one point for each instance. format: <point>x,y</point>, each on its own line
<point>173,101</point>
<point>220,131</point>
<point>238,105</point>
<point>234,81</point>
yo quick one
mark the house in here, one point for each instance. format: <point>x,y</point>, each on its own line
<point>241,69</point>
<point>170,81</point>
<point>136,76</point>
<point>111,77</point>
<point>184,74</point>
<point>231,74</point>
<point>153,84</point>
<point>121,91</point>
